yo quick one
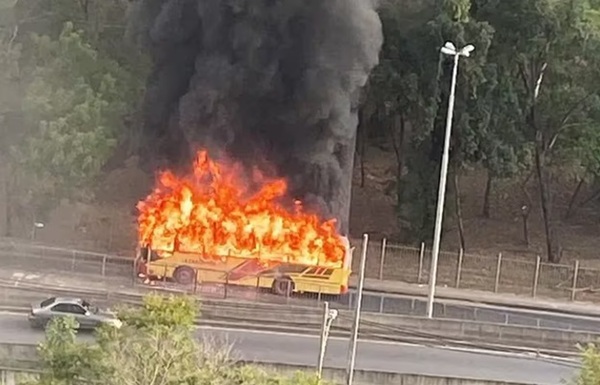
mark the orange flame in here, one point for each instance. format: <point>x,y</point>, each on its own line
<point>213,214</point>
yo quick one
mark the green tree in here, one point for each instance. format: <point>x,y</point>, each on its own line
<point>11,90</point>
<point>158,310</point>
<point>544,49</point>
<point>70,79</point>
<point>155,346</point>
<point>64,359</point>
<point>76,100</point>
<point>589,374</point>
<point>410,91</point>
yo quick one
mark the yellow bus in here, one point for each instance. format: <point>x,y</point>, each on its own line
<point>280,277</point>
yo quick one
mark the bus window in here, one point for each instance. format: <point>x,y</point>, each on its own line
<point>144,255</point>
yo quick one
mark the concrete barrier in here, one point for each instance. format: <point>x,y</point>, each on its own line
<point>407,327</point>
<point>22,356</point>
<point>370,377</point>
<point>21,360</point>
<point>388,326</point>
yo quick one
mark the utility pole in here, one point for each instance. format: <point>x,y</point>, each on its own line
<point>448,49</point>
<point>354,333</point>
<point>329,315</point>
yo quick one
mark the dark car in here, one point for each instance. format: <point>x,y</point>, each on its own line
<point>88,316</point>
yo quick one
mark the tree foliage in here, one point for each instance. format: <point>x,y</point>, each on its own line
<point>78,99</point>
<point>589,374</point>
<point>71,83</point>
<point>526,100</point>
<point>410,91</point>
<point>161,311</point>
<point>157,345</point>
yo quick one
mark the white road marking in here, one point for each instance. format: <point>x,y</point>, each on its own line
<point>32,276</point>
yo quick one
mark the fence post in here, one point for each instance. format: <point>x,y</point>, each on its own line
<point>382,258</point>
<point>134,274</point>
<point>575,274</point>
<point>459,267</point>
<point>498,267</point>
<point>257,288</point>
<point>536,276</point>
<point>104,265</point>
<point>195,281</point>
<point>421,253</point>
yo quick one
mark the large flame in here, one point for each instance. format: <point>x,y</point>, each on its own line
<point>213,213</point>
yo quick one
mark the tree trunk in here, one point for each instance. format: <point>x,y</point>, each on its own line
<point>458,206</point>
<point>525,216</point>
<point>5,204</point>
<point>591,198</point>
<point>362,145</point>
<point>486,196</point>
<point>395,131</point>
<point>546,204</point>
<point>574,198</point>
<point>398,149</point>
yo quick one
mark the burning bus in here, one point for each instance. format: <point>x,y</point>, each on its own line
<point>210,228</point>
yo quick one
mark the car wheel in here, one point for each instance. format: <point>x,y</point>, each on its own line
<point>184,275</point>
<point>39,323</point>
<point>34,324</point>
<point>283,286</point>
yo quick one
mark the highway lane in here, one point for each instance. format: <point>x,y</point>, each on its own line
<point>81,270</point>
<point>380,356</point>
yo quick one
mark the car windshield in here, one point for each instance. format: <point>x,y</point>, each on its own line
<point>48,302</point>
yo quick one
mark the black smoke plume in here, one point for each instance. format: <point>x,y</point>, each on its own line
<point>262,79</point>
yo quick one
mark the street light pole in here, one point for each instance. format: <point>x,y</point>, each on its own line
<point>355,324</point>
<point>329,315</point>
<point>447,49</point>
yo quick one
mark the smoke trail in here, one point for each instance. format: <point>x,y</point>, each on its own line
<point>263,79</point>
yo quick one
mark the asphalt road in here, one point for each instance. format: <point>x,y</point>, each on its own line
<point>379,356</point>
<point>85,266</point>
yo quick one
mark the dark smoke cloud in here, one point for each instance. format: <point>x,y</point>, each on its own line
<point>263,79</point>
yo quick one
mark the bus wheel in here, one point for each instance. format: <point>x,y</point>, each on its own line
<point>283,286</point>
<point>184,275</point>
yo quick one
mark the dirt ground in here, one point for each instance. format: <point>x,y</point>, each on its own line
<point>109,223</point>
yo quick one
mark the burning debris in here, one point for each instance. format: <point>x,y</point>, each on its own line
<point>213,214</point>
<point>262,79</point>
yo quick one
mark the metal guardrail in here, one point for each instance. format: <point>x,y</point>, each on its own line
<point>387,261</point>
<point>383,327</point>
<point>118,270</point>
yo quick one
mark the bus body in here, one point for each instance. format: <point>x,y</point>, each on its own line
<point>281,277</point>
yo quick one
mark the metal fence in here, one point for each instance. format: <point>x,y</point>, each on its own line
<point>32,257</point>
<point>95,270</point>
<point>498,273</point>
<point>385,261</point>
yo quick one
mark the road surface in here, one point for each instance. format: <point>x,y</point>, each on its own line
<point>270,347</point>
<point>81,269</point>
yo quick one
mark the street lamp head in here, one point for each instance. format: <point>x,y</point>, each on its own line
<point>466,51</point>
<point>448,49</point>
<point>333,313</point>
<point>449,45</point>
